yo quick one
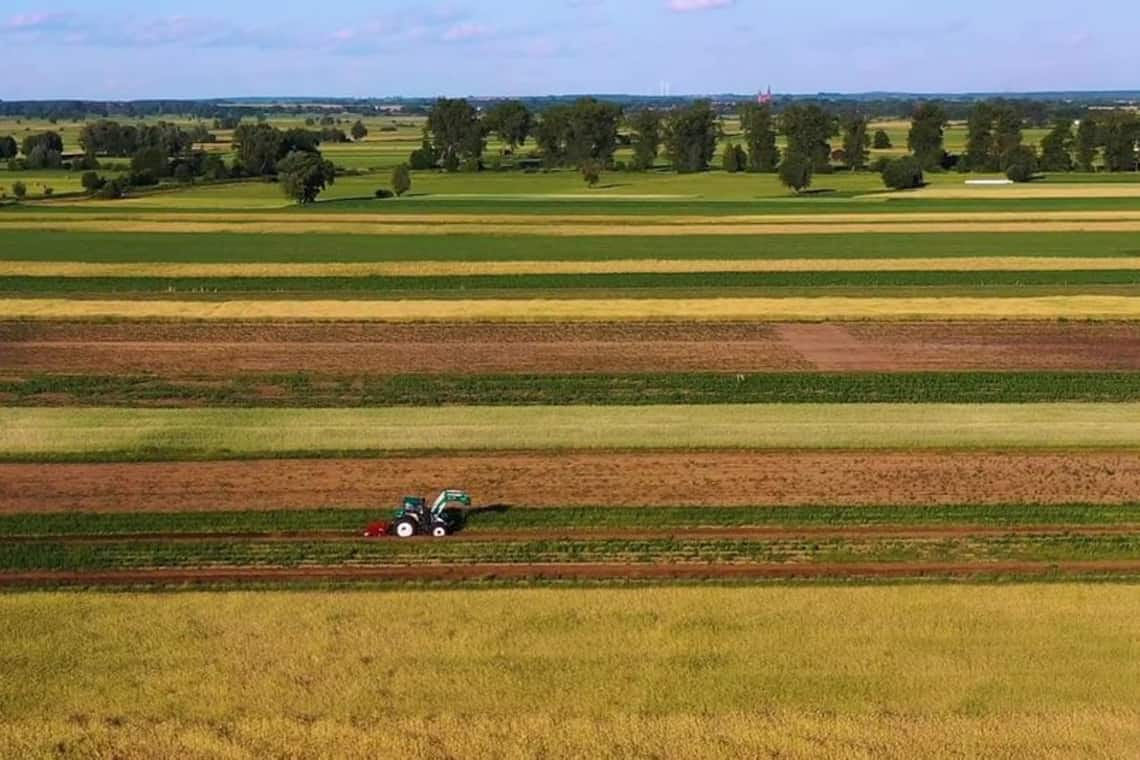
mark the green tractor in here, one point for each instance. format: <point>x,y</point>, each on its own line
<point>415,518</point>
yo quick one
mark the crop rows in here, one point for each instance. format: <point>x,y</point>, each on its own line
<point>304,390</point>
<point>47,555</point>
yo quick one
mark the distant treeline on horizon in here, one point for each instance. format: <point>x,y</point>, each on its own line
<point>1045,105</point>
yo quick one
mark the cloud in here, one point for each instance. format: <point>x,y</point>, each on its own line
<point>44,21</point>
<point>684,6</point>
<point>465,31</point>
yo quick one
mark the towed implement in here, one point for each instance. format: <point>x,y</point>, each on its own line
<point>446,515</point>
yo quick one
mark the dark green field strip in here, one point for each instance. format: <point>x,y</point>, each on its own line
<point>302,390</point>
<point>113,247</point>
<point>537,285</point>
<point>48,555</point>
<point>349,522</point>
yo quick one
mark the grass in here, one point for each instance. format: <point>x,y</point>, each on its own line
<point>303,390</point>
<point>1047,670</point>
<point>141,554</point>
<point>111,247</point>
<point>107,433</point>
<point>546,285</point>
<point>348,522</point>
<point>799,308</point>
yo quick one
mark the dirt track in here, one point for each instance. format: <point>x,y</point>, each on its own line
<point>573,571</point>
<point>217,350</point>
<point>583,479</point>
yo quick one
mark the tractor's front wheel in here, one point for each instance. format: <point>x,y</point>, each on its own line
<point>439,531</point>
<point>405,529</point>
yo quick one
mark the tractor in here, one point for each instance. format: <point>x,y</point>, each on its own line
<point>414,518</point>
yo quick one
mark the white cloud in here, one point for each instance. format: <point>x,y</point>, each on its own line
<point>683,6</point>
<point>465,31</point>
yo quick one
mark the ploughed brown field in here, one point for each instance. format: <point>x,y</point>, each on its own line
<point>583,479</point>
<point>198,349</point>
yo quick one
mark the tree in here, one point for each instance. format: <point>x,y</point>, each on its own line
<point>304,175</point>
<point>927,134</point>
<point>1088,144</point>
<point>49,141</point>
<point>401,179</point>
<point>903,173</point>
<point>259,147</point>
<point>42,157</point>
<point>183,174</point>
<point>881,141</point>
<point>511,121</point>
<point>1057,147</point>
<point>992,130</point>
<point>423,158</point>
<point>855,142</point>
<point>584,131</point>
<point>8,147</point>
<point>809,129</point>
<point>1019,163</point>
<point>20,190</point>
<point>151,160</point>
<point>1007,129</point>
<point>760,137</point>
<point>1119,131</point>
<point>456,133</point>
<point>92,182</point>
<point>796,171</point>
<point>591,172</point>
<point>734,159</point>
<point>359,131</point>
<point>646,128</point>
<point>691,134</point>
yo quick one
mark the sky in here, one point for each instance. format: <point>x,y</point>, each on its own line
<point>130,49</point>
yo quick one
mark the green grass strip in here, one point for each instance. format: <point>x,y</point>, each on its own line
<point>85,434</point>
<point>32,245</point>
<point>303,390</point>
<point>520,517</point>
<point>532,285</point>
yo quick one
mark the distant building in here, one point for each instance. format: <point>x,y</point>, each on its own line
<point>765,98</point>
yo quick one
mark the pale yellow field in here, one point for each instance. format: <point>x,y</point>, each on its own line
<point>575,229</point>
<point>1042,671</point>
<point>38,431</point>
<point>619,266</point>
<point>588,310</point>
<point>1106,190</point>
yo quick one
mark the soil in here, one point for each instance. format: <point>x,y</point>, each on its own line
<point>228,349</point>
<point>572,571</point>
<point>567,479</point>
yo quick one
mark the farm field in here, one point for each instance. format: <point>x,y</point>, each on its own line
<point>850,473</point>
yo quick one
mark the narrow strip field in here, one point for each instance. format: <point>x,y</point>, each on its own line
<point>1047,670</point>
<point>223,350</point>
<point>1093,307</point>
<point>85,433</point>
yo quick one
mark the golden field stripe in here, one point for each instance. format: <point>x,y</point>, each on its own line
<point>614,228</point>
<point>618,266</point>
<point>589,310</point>
<point>616,217</point>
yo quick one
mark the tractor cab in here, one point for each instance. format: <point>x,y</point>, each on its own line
<point>445,516</point>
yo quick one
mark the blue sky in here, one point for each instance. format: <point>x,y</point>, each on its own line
<point>209,48</point>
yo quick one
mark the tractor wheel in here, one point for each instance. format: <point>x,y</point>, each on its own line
<point>439,531</point>
<point>405,528</point>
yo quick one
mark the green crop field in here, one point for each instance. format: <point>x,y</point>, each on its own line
<point>83,433</point>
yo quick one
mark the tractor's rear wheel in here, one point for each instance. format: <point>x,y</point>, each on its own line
<point>405,529</point>
<point>439,531</point>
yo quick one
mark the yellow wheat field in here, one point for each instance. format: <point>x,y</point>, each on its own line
<point>1041,671</point>
<point>619,266</point>
<point>589,310</point>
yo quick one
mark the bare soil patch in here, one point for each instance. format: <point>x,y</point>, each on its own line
<point>234,348</point>
<point>582,479</point>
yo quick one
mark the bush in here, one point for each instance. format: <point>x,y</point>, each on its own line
<point>879,165</point>
<point>881,140</point>
<point>20,190</point>
<point>1019,163</point>
<point>903,173</point>
<point>384,193</point>
<point>591,173</point>
<point>472,165</point>
<point>112,190</point>
<point>86,164</point>
<point>48,191</point>
<point>92,182</point>
<point>734,159</point>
